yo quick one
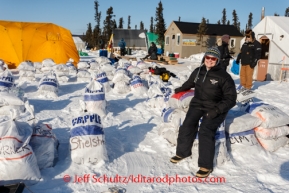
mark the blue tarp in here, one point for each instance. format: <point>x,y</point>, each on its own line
<point>235,68</point>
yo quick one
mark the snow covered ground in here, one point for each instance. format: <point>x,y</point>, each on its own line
<point>135,148</point>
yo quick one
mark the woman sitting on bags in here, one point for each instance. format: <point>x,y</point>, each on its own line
<point>215,95</point>
<point>152,53</point>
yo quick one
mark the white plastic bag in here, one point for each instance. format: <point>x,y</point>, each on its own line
<point>48,62</point>
<point>270,115</point>
<point>272,133</point>
<point>121,87</point>
<point>6,80</point>
<point>87,141</point>
<point>181,100</point>
<point>48,85</point>
<point>137,87</point>
<point>44,145</point>
<point>273,144</point>
<point>101,77</point>
<point>17,160</point>
<point>94,98</point>
<point>238,121</point>
<point>245,95</point>
<point>244,139</point>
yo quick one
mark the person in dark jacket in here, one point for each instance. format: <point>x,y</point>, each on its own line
<point>122,46</point>
<point>249,55</point>
<point>152,53</point>
<point>224,51</point>
<point>215,95</point>
<point>101,44</point>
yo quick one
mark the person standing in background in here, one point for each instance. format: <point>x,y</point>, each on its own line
<point>249,56</point>
<point>122,45</point>
<point>223,47</point>
<point>101,44</point>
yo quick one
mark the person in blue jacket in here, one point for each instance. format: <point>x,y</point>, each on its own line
<point>122,46</point>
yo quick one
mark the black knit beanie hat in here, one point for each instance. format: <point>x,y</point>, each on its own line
<point>213,51</point>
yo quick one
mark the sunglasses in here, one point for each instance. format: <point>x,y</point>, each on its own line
<point>212,58</point>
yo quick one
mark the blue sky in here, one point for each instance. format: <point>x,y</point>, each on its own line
<point>76,14</point>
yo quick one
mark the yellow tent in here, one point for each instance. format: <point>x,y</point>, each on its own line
<point>22,41</point>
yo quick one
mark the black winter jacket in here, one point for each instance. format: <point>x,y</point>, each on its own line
<point>224,53</point>
<point>153,49</point>
<point>214,89</point>
<point>250,53</point>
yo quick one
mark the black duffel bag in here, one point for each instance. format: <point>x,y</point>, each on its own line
<point>160,71</point>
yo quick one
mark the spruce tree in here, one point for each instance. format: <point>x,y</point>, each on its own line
<point>108,24</point>
<point>152,25</point>
<point>236,22</point>
<point>219,22</point>
<point>141,26</point>
<point>160,25</point>
<point>97,29</point>
<point>128,22</point>
<point>135,26</point>
<point>224,18</point>
<point>250,19</point>
<point>89,36</point>
<point>228,22</point>
<point>276,14</point>
<point>202,30</point>
<point>120,24</point>
<point>287,12</point>
<point>114,24</point>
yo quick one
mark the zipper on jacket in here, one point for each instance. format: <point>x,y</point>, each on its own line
<point>205,75</point>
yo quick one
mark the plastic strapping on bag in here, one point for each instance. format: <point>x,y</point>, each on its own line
<point>96,97</point>
<point>166,114</point>
<point>6,79</point>
<point>101,77</point>
<point>253,107</point>
<point>136,82</point>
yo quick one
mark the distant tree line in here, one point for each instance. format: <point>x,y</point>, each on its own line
<point>235,19</point>
<point>94,36</point>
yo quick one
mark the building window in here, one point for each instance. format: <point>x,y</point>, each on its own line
<point>232,43</point>
<point>178,39</point>
<point>167,40</point>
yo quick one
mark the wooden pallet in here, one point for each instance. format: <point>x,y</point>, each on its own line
<point>173,62</point>
<point>128,58</point>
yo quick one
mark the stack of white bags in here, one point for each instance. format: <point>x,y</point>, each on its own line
<point>47,65</point>
<point>71,67</point>
<point>26,71</point>
<point>48,86</point>
<point>37,66</point>
<point>121,81</point>
<point>83,75</point>
<point>272,132</point>
<point>62,72</point>
<point>240,130</point>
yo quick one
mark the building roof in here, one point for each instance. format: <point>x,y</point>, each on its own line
<point>213,29</point>
<point>132,37</point>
